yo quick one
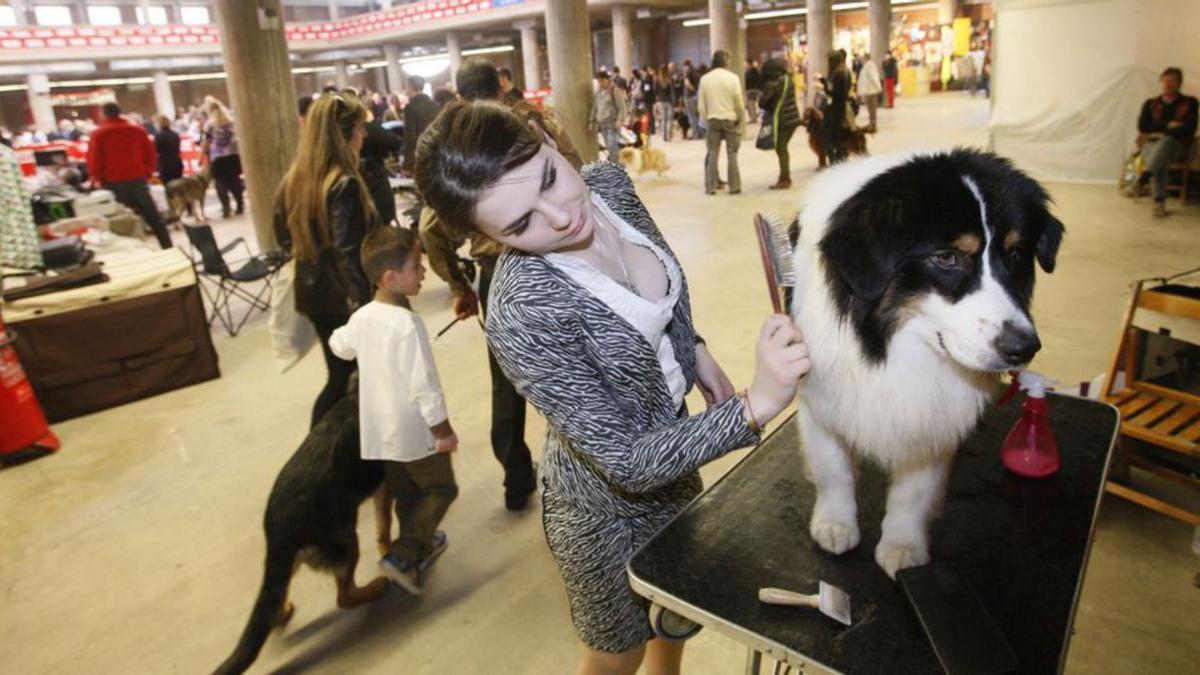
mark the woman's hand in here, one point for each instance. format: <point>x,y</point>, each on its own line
<point>781,360</point>
<point>714,384</point>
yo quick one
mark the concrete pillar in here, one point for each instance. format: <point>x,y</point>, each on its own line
<point>39,102</point>
<point>164,100</point>
<point>879,18</point>
<point>947,10</point>
<point>145,5</point>
<point>381,83</point>
<point>335,12</point>
<point>395,80</point>
<point>567,40</point>
<point>385,4</point>
<point>20,12</point>
<point>723,30</point>
<point>263,95</point>
<point>820,41</point>
<point>622,22</point>
<point>531,54</point>
<point>454,51</point>
<point>341,75</point>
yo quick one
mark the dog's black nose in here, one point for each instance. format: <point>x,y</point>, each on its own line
<point>1016,344</point>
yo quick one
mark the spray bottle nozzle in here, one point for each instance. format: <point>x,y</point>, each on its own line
<point>1035,384</point>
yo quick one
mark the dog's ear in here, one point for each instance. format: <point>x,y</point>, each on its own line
<point>1049,241</point>
<point>853,248</point>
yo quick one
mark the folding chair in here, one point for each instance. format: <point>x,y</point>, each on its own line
<point>229,282</point>
<point>1154,379</point>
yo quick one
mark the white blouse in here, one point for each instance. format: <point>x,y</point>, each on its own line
<point>650,318</point>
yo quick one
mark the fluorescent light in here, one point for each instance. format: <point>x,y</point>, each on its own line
<point>114,81</point>
<point>794,11</point>
<point>372,64</point>
<point>488,50</point>
<point>13,87</point>
<point>775,13</point>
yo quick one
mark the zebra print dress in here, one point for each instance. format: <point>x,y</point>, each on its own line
<point>620,459</point>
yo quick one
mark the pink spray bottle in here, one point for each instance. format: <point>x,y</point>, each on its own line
<point>1030,449</point>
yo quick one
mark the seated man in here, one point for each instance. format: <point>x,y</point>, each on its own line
<point>1166,128</point>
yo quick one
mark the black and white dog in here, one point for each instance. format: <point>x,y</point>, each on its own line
<point>914,276</point>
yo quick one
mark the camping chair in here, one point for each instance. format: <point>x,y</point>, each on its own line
<point>1154,380</point>
<point>230,283</point>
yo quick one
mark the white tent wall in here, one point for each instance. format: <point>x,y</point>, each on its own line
<point>1070,76</point>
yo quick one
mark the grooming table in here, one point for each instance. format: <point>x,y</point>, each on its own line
<point>1021,544</point>
<point>139,334</point>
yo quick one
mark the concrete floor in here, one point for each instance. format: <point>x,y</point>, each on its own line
<point>138,547</point>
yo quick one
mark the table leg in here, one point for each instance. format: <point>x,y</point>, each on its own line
<point>753,661</point>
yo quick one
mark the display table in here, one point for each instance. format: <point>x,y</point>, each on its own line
<point>143,332</point>
<point>1021,544</point>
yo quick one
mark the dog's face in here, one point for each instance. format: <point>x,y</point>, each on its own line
<point>943,245</point>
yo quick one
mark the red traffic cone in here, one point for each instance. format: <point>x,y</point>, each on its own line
<point>23,428</point>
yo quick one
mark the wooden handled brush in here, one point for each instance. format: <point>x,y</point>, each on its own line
<point>776,249</point>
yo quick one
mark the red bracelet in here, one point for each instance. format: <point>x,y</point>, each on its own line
<point>753,421</point>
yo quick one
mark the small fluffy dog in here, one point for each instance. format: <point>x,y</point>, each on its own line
<point>187,193</point>
<point>914,277</point>
<point>644,159</point>
<point>311,516</point>
<point>811,121</point>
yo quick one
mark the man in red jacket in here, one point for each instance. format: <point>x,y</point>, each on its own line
<point>120,158</point>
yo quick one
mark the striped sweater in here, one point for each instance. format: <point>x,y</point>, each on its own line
<point>616,444</point>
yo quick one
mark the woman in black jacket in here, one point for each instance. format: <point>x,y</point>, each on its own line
<point>166,144</point>
<point>323,212</point>
<point>779,102</point>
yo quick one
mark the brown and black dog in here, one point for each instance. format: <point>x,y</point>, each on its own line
<point>310,518</point>
<point>856,141</point>
<point>187,193</point>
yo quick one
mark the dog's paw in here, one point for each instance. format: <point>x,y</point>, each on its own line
<point>834,536</point>
<point>895,557</point>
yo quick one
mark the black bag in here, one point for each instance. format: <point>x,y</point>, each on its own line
<point>766,133</point>
<point>64,252</point>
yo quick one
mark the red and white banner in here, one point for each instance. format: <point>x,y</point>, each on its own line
<point>67,37</point>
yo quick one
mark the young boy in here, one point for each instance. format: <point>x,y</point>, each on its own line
<point>402,413</point>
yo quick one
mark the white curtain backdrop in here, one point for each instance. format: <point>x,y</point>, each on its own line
<point>1069,77</point>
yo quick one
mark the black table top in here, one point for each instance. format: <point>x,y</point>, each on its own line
<point>1021,544</point>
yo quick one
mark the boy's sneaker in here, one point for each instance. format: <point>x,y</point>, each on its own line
<point>404,574</point>
<point>439,547</point>
<point>1160,209</point>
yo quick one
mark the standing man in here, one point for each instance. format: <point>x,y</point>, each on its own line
<point>691,82</point>
<point>509,93</point>
<point>120,159</point>
<point>870,88</point>
<point>618,81</point>
<point>1166,130</point>
<point>478,80</point>
<point>721,108</point>
<point>608,111</point>
<point>891,72</point>
<point>754,87</point>
<point>419,112</point>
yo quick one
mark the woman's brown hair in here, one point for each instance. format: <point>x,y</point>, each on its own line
<point>323,158</point>
<point>466,149</point>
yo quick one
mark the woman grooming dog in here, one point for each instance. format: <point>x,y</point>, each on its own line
<point>323,212</point>
<point>590,319</point>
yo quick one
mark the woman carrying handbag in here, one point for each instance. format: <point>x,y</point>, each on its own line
<point>781,117</point>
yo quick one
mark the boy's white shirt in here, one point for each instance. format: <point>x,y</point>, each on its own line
<point>399,393</point>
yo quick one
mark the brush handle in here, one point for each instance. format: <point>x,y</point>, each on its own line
<point>762,232</point>
<point>778,596</point>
